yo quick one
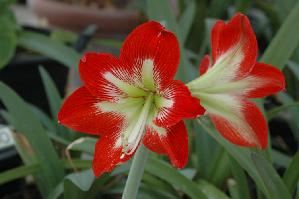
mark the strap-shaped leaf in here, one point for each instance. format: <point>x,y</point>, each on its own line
<point>291,175</point>
<point>28,124</point>
<point>44,45</point>
<point>285,41</point>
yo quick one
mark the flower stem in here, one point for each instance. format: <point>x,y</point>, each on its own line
<point>136,173</point>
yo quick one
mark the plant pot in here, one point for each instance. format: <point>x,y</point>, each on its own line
<point>77,17</point>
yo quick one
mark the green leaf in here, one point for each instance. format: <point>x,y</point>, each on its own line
<point>297,194</point>
<point>166,172</point>
<point>52,92</point>
<point>217,8</point>
<point>284,7</point>
<point>240,180</point>
<point>156,184</point>
<point>197,35</point>
<point>78,163</point>
<point>151,192</point>
<point>161,11</point>
<point>233,189</point>
<point>5,115</point>
<point>63,36</point>
<point>18,172</point>
<point>44,45</point>
<point>43,117</point>
<point>55,102</point>
<point>82,180</point>
<point>188,173</point>
<point>219,169</point>
<point>294,113</point>
<point>4,4</point>
<point>291,175</point>
<point>275,111</point>
<point>56,192</point>
<point>294,67</point>
<point>8,41</point>
<point>272,181</point>
<point>285,41</point>
<point>241,155</point>
<point>206,150</point>
<point>186,20</point>
<point>280,158</point>
<point>27,123</point>
<point>32,169</point>
<point>211,191</point>
<point>84,184</point>
<point>108,42</point>
<point>75,186</point>
<point>45,120</point>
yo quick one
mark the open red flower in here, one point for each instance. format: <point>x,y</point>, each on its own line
<point>232,77</point>
<point>133,99</point>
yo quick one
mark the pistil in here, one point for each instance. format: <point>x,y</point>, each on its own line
<point>131,139</point>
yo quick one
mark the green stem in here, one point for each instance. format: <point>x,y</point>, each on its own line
<point>135,174</point>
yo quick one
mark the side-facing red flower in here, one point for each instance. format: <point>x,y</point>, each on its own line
<point>133,99</point>
<point>231,78</point>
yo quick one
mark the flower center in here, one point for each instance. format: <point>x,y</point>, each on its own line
<point>139,106</point>
<point>132,136</point>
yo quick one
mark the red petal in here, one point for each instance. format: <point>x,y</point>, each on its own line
<point>205,64</point>
<point>251,129</point>
<point>183,105</point>
<point>152,41</point>
<point>80,113</point>
<point>237,31</point>
<point>93,67</point>
<point>266,80</point>
<point>174,143</point>
<point>107,155</point>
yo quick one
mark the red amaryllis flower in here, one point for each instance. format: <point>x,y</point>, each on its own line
<point>232,77</point>
<point>133,99</point>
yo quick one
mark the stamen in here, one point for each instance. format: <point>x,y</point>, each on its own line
<point>131,139</point>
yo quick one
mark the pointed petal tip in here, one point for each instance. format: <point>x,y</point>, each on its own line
<point>265,80</point>
<point>235,38</point>
<point>245,127</point>
<point>239,16</point>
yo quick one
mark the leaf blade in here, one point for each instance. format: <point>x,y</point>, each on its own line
<point>27,123</point>
<point>44,45</point>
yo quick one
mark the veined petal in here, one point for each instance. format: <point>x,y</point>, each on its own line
<point>80,112</point>
<point>115,148</point>
<point>238,35</point>
<point>136,112</point>
<point>175,104</point>
<point>264,80</point>
<point>152,46</point>
<point>108,153</point>
<point>234,51</point>
<point>238,120</point>
<point>105,77</point>
<point>173,142</point>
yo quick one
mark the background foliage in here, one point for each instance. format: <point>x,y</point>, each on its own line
<point>216,168</point>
